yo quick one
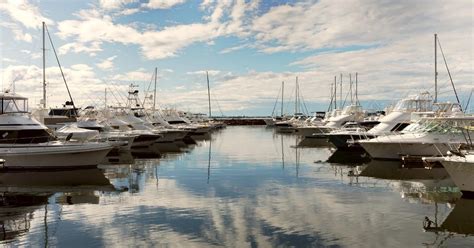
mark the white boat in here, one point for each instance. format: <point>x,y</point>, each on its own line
<point>26,143</point>
<point>395,121</point>
<point>461,169</point>
<point>428,137</point>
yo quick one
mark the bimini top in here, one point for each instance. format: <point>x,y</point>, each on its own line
<point>11,96</point>
<point>13,103</point>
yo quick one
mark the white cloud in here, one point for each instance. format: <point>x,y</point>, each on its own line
<point>18,33</point>
<point>134,76</point>
<point>162,4</point>
<point>90,48</point>
<point>94,26</point>
<point>202,72</point>
<point>84,84</point>
<point>25,13</point>
<point>107,63</point>
<point>115,4</point>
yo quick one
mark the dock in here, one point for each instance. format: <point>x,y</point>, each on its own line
<point>242,120</point>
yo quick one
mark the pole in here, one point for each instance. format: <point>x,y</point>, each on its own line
<point>105,97</point>
<point>296,96</point>
<point>282,93</point>
<point>154,93</point>
<point>335,92</point>
<point>436,67</point>
<point>208,93</point>
<point>350,83</point>
<point>356,93</point>
<point>44,68</point>
<point>340,92</point>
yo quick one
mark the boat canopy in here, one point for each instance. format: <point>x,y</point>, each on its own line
<point>419,103</point>
<point>13,103</point>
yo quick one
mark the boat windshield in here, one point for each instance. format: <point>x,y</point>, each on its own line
<point>413,105</point>
<point>14,105</point>
<point>352,109</point>
<point>437,126</point>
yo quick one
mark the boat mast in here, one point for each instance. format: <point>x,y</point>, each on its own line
<point>208,93</point>
<point>436,67</point>
<point>44,69</point>
<point>105,97</point>
<point>282,93</point>
<point>350,83</point>
<point>335,92</point>
<point>340,92</point>
<point>356,94</point>
<point>296,96</point>
<point>154,93</point>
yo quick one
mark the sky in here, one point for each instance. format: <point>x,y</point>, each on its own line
<point>247,47</point>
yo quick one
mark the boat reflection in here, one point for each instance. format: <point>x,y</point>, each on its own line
<point>25,192</point>
<point>428,186</point>
<point>461,218</point>
<point>349,157</point>
<point>16,213</point>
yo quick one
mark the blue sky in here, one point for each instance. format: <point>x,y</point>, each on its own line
<point>248,47</point>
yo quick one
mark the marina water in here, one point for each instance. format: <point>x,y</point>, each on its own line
<point>244,187</point>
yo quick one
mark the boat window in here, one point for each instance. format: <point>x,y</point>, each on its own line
<point>399,127</point>
<point>25,136</point>
<point>14,106</point>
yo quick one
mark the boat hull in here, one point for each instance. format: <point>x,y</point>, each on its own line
<point>461,173</point>
<point>340,140</point>
<point>394,151</point>
<point>44,157</point>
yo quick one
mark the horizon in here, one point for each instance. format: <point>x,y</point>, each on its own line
<point>248,48</point>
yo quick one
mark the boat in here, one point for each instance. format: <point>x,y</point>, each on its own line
<point>460,166</point>
<point>26,143</point>
<point>395,121</point>
<point>431,136</point>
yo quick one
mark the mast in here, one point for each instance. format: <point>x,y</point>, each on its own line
<point>436,67</point>
<point>154,93</point>
<point>350,83</point>
<point>282,93</point>
<point>105,97</point>
<point>208,93</point>
<point>335,92</point>
<point>356,94</point>
<point>296,96</point>
<point>44,68</point>
<point>340,92</point>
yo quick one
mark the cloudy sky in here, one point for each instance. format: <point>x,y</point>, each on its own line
<point>248,47</point>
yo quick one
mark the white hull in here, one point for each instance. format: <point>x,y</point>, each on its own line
<point>309,131</point>
<point>393,151</point>
<point>462,173</point>
<point>269,122</point>
<point>54,156</point>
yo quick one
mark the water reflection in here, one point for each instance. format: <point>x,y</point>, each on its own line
<point>249,187</point>
<point>26,194</point>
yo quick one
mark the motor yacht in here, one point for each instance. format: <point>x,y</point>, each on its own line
<point>26,143</point>
<point>335,120</point>
<point>431,136</point>
<point>395,121</point>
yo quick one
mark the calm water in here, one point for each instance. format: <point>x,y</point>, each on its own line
<point>245,187</point>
